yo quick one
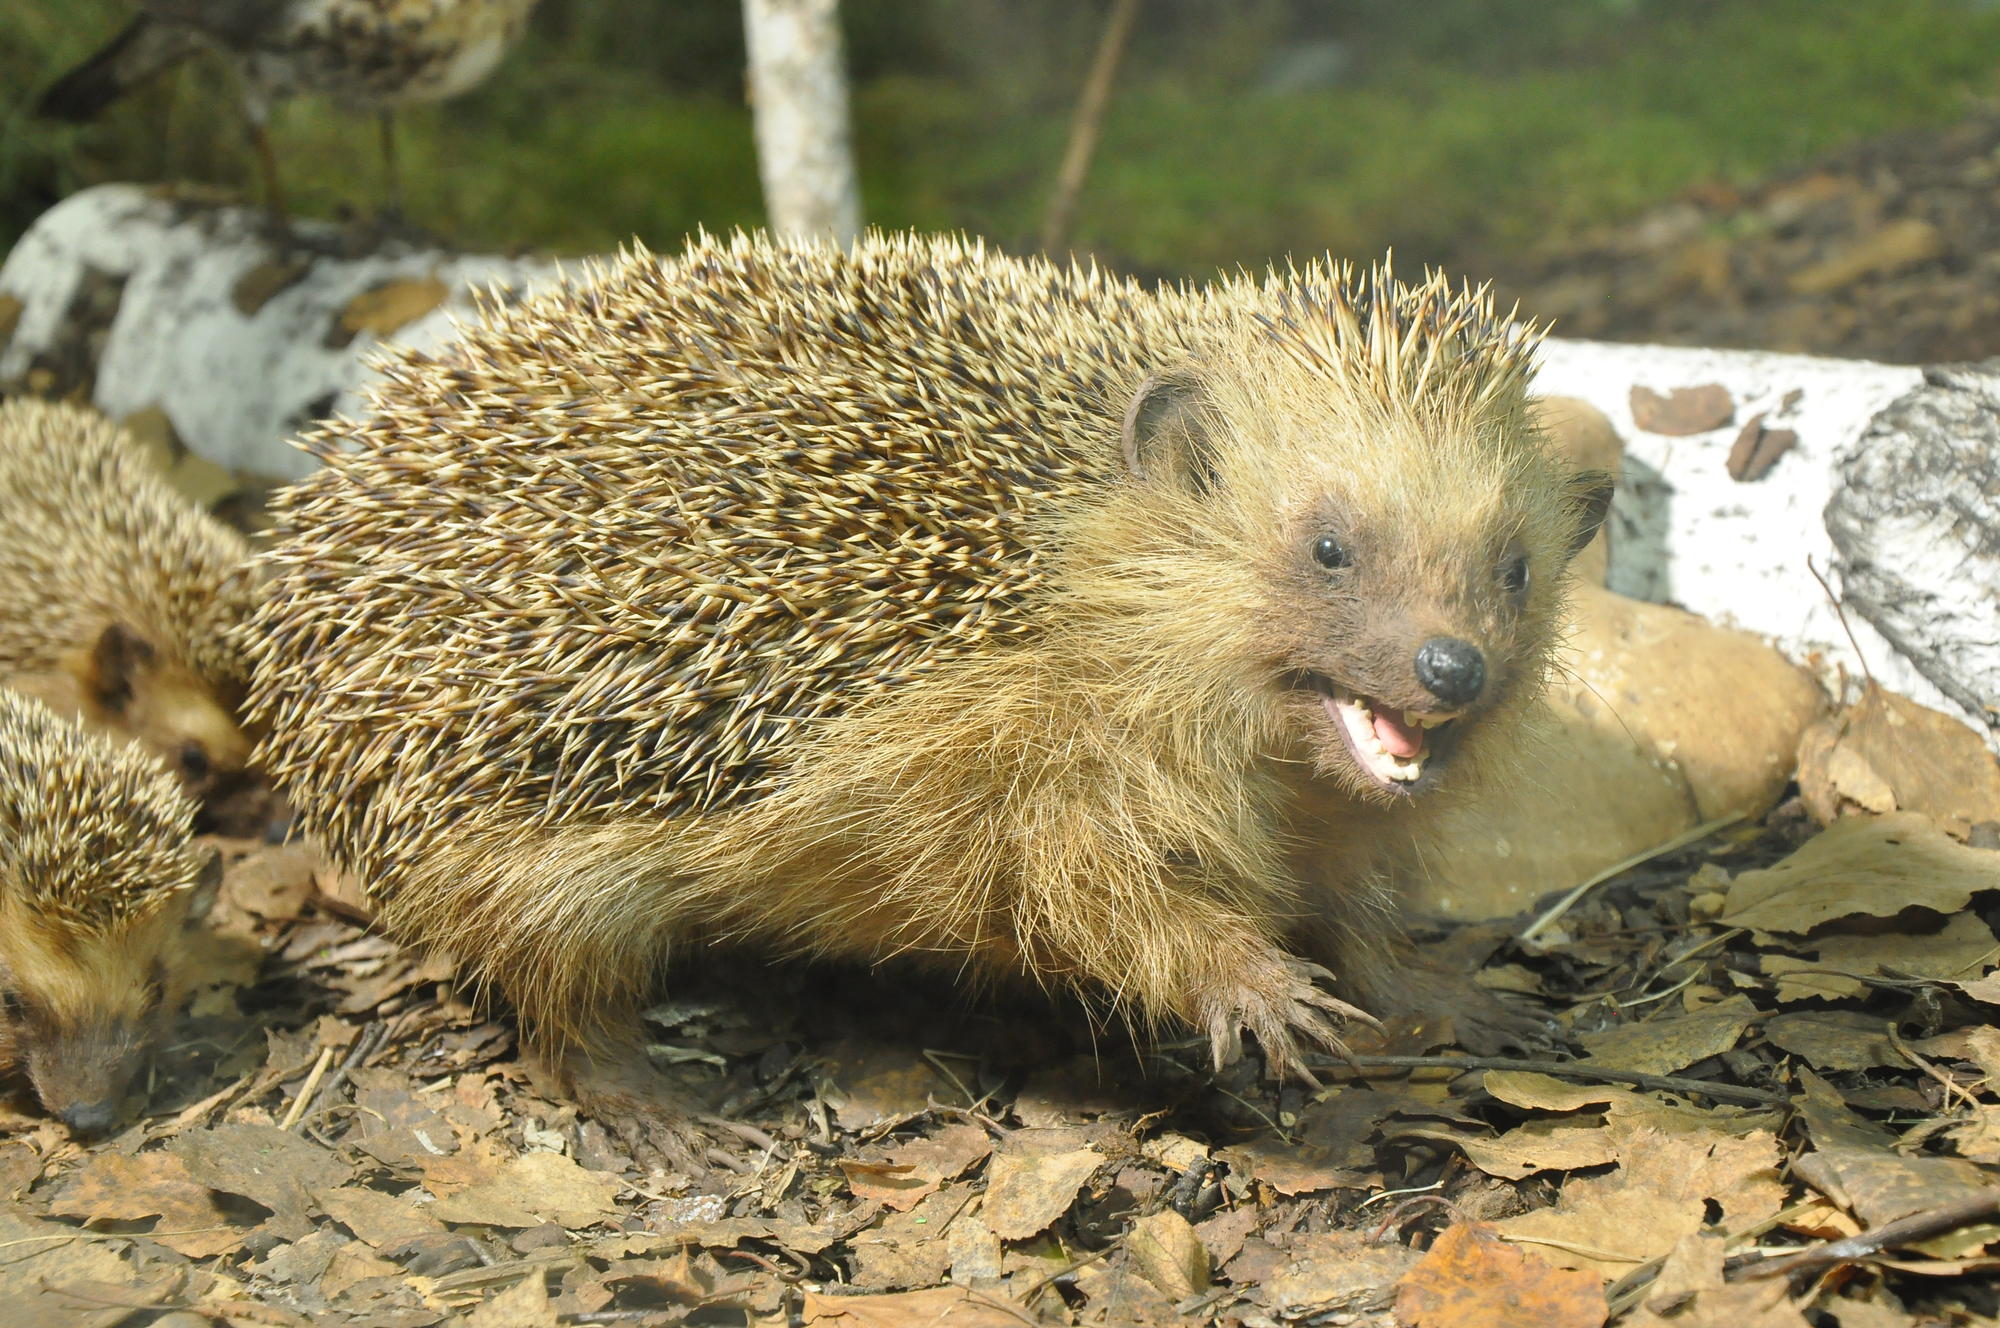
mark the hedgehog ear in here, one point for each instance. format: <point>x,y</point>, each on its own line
<point>1164,439</point>
<point>1591,490</point>
<point>202,897</point>
<point>116,662</point>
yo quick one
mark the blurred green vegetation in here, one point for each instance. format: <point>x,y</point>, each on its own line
<point>1240,131</point>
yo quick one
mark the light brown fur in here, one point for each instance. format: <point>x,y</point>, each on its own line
<point>117,595</point>
<point>98,885</point>
<point>1122,789</point>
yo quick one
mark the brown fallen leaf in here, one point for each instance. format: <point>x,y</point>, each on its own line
<point>114,1187</point>
<point>1685,410</point>
<point>1472,1279</point>
<point>946,1307</point>
<point>1874,867</point>
<point>1757,449</point>
<point>1886,753</point>
<point>1690,1290</point>
<point>1666,1185</point>
<point>263,1164</point>
<point>384,308</point>
<point>1542,1145</point>
<point>1833,1039</point>
<point>1332,1273</point>
<point>531,1189</point>
<point>1169,1254</point>
<point>523,1305</point>
<point>375,1218</point>
<point>897,1187</point>
<point>1026,1192</point>
<point>1671,1042</point>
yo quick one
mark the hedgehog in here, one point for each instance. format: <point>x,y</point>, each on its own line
<point>913,600</point>
<point>99,887</point>
<point>118,596</point>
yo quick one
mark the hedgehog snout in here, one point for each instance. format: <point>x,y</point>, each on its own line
<point>1452,670</point>
<point>91,1118</point>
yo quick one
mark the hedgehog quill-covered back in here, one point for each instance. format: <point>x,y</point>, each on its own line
<point>98,885</point>
<point>117,596</point>
<point>914,600</point>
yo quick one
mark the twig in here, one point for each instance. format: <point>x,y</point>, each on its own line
<point>1840,612</point>
<point>1903,1231</point>
<point>1085,125</point>
<point>1680,841</point>
<point>306,1089</point>
<point>1951,1086</point>
<point>366,1045</point>
<point>1666,1083</point>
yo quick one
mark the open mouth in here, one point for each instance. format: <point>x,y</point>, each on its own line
<point>1396,748</point>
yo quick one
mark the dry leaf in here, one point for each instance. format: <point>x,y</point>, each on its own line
<point>375,1218</point>
<point>1662,1190</point>
<point>1337,1272</point>
<point>114,1187</point>
<point>1472,1279</point>
<point>1169,1254</point>
<point>1888,753</point>
<point>893,1186</point>
<point>1834,1039</point>
<point>1542,1145</point>
<point>384,308</point>
<point>1026,1193</point>
<point>1871,868</point>
<point>532,1189</point>
<point>1690,1290</point>
<point>523,1305</point>
<point>1668,1043</point>
<point>262,1163</point>
<point>942,1307</point>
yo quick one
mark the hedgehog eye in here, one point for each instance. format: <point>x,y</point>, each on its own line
<point>193,761</point>
<point>1330,553</point>
<point>12,1006</point>
<point>1514,574</point>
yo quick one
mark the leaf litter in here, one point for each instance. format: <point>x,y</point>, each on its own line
<point>1780,1106</point>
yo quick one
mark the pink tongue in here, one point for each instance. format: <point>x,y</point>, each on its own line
<point>1399,738</point>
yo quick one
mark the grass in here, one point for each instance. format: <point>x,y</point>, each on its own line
<point>1497,132</point>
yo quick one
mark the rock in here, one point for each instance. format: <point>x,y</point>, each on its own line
<point>1915,515</point>
<point>1657,722</point>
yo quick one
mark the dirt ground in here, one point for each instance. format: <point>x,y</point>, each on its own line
<point>1766,1062</point>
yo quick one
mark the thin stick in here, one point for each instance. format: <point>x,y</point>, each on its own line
<point>1679,841</point>
<point>1666,1083</point>
<point>306,1090</point>
<point>1849,1249</point>
<point>1085,125</point>
<point>1840,612</point>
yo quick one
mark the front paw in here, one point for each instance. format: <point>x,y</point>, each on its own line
<point>1277,998</point>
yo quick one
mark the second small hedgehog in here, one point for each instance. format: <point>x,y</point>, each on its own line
<point>99,883</point>
<point>117,595</point>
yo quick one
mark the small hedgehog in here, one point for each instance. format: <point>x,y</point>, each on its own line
<point>98,886</point>
<point>118,596</point>
<point>911,600</point>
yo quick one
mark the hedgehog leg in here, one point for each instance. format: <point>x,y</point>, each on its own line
<point>1356,930</point>
<point>614,1084</point>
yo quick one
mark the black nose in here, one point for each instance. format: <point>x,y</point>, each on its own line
<point>90,1118</point>
<point>1451,670</point>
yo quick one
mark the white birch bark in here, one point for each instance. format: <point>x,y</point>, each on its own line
<point>798,92</point>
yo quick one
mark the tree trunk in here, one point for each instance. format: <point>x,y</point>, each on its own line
<point>798,92</point>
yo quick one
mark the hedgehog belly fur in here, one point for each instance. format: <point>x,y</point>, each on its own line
<point>910,600</point>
